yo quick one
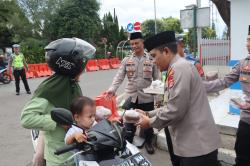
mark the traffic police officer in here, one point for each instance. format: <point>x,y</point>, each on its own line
<point>17,61</point>
<point>240,72</point>
<point>140,71</point>
<point>187,111</point>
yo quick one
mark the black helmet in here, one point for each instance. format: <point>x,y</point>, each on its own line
<point>68,56</point>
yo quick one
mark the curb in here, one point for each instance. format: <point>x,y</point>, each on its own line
<point>225,155</point>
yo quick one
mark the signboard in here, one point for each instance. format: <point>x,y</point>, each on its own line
<point>130,27</point>
<point>137,26</point>
<point>202,18</point>
<point>134,27</point>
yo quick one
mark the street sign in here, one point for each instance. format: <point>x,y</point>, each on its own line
<point>202,18</point>
<point>130,27</point>
<point>137,26</point>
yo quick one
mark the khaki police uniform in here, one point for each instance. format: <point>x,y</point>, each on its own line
<point>187,112</point>
<point>140,72</point>
<point>240,72</point>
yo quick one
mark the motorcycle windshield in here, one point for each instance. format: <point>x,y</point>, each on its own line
<point>105,128</point>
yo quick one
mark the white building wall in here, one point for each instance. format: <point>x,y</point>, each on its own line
<point>240,20</point>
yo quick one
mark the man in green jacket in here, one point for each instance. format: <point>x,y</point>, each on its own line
<point>67,57</point>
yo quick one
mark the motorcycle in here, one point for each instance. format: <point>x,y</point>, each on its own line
<point>105,146</point>
<point>4,76</point>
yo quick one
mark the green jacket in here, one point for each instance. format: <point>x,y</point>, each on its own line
<point>36,115</point>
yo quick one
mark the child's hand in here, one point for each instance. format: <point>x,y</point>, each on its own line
<point>80,137</point>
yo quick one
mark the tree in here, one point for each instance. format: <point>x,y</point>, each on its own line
<point>110,28</point>
<point>173,24</point>
<point>148,27</point>
<point>76,18</point>
<point>225,33</point>
<point>208,32</point>
<point>4,11</point>
<point>224,9</point>
<point>112,32</point>
<point>122,35</point>
<point>17,27</point>
<point>39,13</point>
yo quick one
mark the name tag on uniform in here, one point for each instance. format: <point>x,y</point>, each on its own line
<point>242,78</point>
<point>246,68</point>
<point>130,68</point>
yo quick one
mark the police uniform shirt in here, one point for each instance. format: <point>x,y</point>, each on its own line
<point>140,72</point>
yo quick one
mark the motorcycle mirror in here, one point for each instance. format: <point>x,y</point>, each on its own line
<point>127,104</point>
<point>62,116</point>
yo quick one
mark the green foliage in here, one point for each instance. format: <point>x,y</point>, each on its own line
<point>33,50</point>
<point>76,18</point>
<point>208,33</point>
<point>112,32</point>
<point>148,27</point>
<point>40,12</point>
<point>16,27</point>
<point>165,24</point>
<point>5,12</point>
<point>172,24</point>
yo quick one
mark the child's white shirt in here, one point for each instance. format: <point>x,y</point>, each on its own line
<point>74,130</point>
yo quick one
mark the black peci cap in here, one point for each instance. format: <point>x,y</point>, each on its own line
<point>136,35</point>
<point>159,39</point>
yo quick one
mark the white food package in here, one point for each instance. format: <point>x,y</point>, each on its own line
<point>131,116</point>
<point>102,113</point>
<point>157,84</point>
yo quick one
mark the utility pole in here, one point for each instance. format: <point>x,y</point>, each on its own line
<point>155,17</point>
<point>198,30</point>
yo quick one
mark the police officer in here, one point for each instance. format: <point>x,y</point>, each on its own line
<point>187,111</point>
<point>140,71</point>
<point>240,72</point>
<point>17,61</point>
<point>190,58</point>
<point>180,50</point>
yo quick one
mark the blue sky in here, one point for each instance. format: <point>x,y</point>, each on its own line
<point>140,10</point>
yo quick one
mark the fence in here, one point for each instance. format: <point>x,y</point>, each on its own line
<point>215,52</point>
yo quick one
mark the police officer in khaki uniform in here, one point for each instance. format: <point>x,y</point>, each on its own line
<point>140,71</point>
<point>17,62</point>
<point>194,61</point>
<point>187,111</point>
<point>240,72</point>
<point>180,50</point>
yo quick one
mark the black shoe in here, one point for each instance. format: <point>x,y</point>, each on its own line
<point>17,93</point>
<point>150,148</point>
<point>28,92</point>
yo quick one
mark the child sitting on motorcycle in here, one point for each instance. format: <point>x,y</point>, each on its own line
<point>83,110</point>
<point>85,115</point>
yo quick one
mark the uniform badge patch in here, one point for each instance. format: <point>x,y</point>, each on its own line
<point>243,78</point>
<point>246,68</point>
<point>170,78</point>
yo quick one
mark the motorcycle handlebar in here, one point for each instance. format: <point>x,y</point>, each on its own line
<point>66,148</point>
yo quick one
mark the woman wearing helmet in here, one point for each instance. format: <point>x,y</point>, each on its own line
<point>67,57</point>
